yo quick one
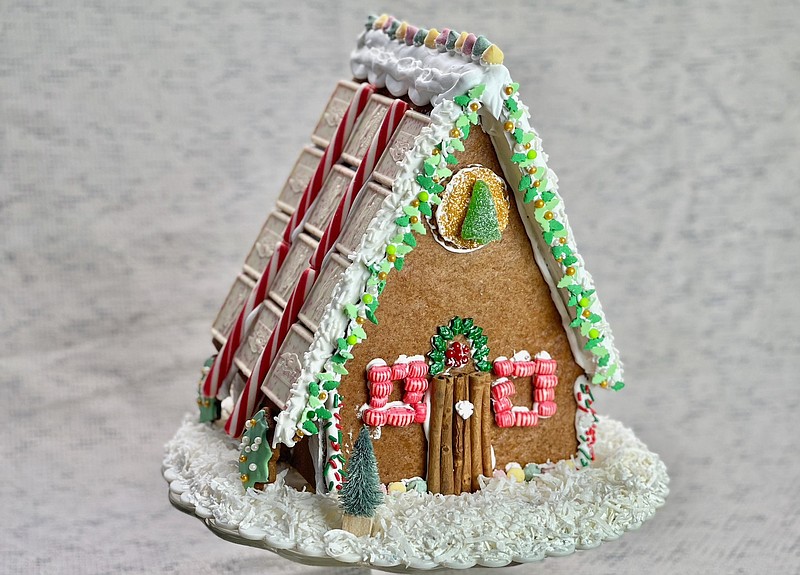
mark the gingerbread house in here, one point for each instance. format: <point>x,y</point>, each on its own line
<point>417,275</point>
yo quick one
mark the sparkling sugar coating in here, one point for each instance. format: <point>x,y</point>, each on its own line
<point>480,223</point>
<point>452,212</point>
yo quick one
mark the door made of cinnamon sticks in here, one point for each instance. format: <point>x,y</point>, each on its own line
<point>459,439</point>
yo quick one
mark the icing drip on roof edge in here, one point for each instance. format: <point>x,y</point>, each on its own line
<point>427,75</point>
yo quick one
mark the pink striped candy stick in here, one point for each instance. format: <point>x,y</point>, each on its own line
<point>379,142</point>
<point>222,364</point>
<point>329,158</point>
<point>252,397</point>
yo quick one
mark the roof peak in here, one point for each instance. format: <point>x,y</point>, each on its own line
<point>428,65</point>
<point>477,48</point>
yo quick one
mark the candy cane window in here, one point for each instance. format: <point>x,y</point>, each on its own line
<point>542,368</point>
<point>409,372</point>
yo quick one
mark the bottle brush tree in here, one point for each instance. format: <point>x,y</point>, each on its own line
<point>361,493</point>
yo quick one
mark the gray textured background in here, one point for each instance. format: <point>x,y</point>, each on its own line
<point>142,144</point>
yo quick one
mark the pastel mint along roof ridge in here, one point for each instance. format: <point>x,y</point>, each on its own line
<point>476,47</point>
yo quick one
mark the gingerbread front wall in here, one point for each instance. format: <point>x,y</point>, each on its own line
<point>501,287</point>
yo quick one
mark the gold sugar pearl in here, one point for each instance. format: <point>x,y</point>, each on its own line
<point>562,241</point>
<point>527,146</point>
<point>586,313</point>
<point>474,106</point>
<point>537,183</point>
<point>435,152</point>
<point>199,401</point>
<point>244,477</point>
<point>382,276</point>
<point>391,258</point>
<point>548,215</point>
<point>509,90</point>
<point>360,320</point>
<point>413,219</point>
<point>560,259</point>
<point>455,133</point>
<point>570,271</point>
<point>532,170</point>
<point>207,403</point>
<point>415,203</point>
<point>604,384</point>
<point>435,179</point>
<point>508,126</point>
<point>538,204</point>
<point>242,458</point>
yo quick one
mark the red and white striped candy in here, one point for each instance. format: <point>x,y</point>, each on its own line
<point>379,142</point>
<point>379,374</point>
<point>523,368</point>
<point>544,394</point>
<point>546,381</point>
<point>374,417</point>
<point>329,157</point>
<point>224,360</point>
<point>417,369</point>
<point>378,400</point>
<point>399,371</point>
<point>504,419</point>
<point>547,409</point>
<point>503,367</point>
<point>381,389</point>
<point>416,384</point>
<point>502,404</point>
<point>399,416</point>
<point>420,412</point>
<point>252,396</point>
<point>525,418</point>
<point>503,387</point>
<point>545,366</point>
<point>412,397</point>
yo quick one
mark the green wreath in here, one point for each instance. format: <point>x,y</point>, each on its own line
<point>446,333</point>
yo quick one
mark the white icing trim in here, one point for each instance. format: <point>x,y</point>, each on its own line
<point>427,76</point>
<point>378,361</point>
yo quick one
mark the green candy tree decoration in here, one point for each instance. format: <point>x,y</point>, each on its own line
<point>480,223</point>
<point>210,407</point>
<point>256,453</point>
<point>361,493</point>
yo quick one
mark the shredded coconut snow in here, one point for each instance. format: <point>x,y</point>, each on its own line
<point>505,522</point>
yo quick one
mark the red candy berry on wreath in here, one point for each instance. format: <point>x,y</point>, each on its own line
<point>457,354</point>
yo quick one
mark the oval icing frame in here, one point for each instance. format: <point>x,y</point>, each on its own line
<point>448,191</point>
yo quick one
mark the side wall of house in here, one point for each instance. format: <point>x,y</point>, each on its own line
<point>501,287</point>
